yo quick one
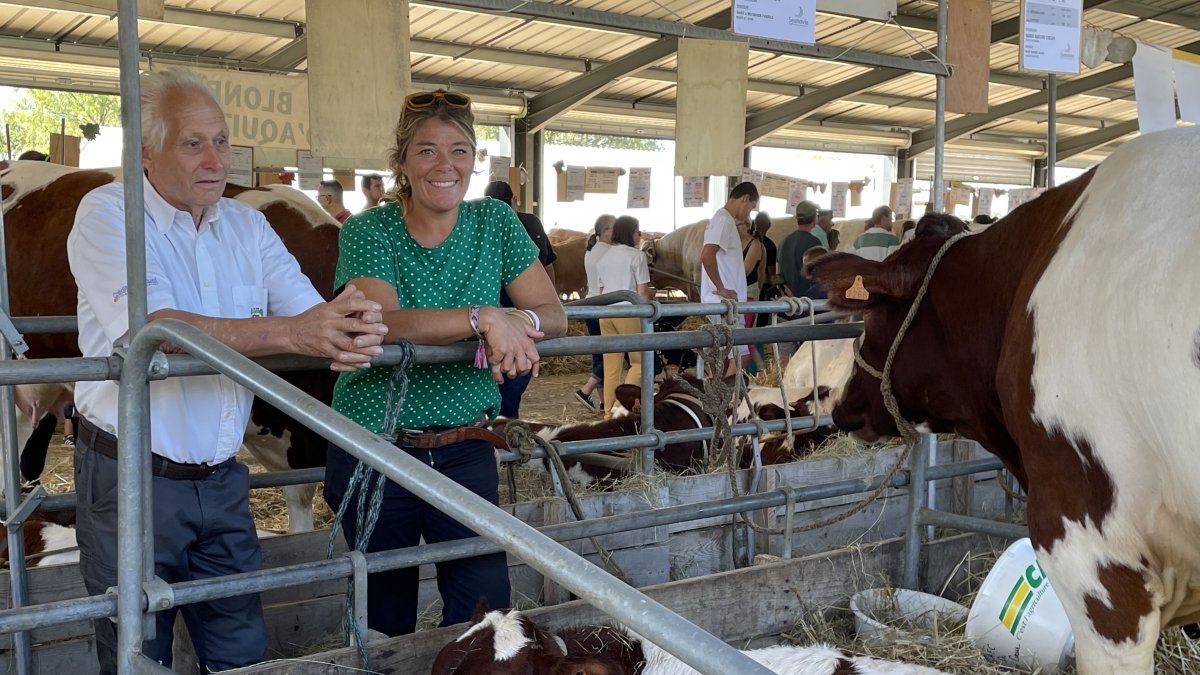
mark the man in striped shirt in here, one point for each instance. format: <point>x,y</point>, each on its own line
<point>877,242</point>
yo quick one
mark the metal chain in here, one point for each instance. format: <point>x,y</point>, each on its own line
<point>369,508</point>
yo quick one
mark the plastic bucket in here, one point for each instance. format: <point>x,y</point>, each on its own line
<point>1016,619</point>
<point>919,609</point>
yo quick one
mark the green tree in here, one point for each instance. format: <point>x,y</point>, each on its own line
<point>33,117</point>
<point>598,141</point>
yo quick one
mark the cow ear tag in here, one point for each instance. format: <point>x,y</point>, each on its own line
<point>857,291</point>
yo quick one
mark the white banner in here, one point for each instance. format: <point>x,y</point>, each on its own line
<point>639,189</point>
<point>263,111</point>
<point>1154,87</point>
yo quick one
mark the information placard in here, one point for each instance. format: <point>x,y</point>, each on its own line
<point>790,20</point>
<point>694,193</point>
<point>1051,33</point>
<point>312,170</point>
<point>904,196</point>
<point>840,193</point>
<point>601,180</point>
<point>498,168</point>
<point>241,165</point>
<point>639,189</point>
<point>575,183</point>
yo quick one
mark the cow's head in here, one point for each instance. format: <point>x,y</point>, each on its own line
<point>922,388</point>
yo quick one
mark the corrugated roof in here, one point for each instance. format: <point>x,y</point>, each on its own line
<point>903,102</point>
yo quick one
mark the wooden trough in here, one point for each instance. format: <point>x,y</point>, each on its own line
<point>663,558</point>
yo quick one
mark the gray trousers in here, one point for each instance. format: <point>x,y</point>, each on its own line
<point>201,529</point>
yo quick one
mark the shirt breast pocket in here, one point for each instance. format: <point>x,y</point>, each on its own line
<point>249,301</point>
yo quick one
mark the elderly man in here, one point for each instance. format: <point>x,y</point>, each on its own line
<point>216,264</point>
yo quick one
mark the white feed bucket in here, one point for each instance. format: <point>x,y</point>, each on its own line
<point>1017,620</point>
<point>918,609</point>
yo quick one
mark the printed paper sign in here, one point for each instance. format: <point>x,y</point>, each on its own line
<point>241,166</point>
<point>694,193</point>
<point>752,176</point>
<point>774,185</point>
<point>904,196</point>
<point>839,196</point>
<point>639,189</point>
<point>797,192</point>
<point>599,180</point>
<point>312,170</point>
<point>575,183</point>
<point>984,198</point>
<point>1051,33</point>
<point>790,20</point>
<point>498,168</point>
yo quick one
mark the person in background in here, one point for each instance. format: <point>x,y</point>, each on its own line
<point>982,220</point>
<point>791,252</point>
<point>877,242</point>
<point>329,196</point>
<point>908,230</point>
<point>762,231</point>
<point>437,264</point>
<point>623,268</point>
<point>512,389</point>
<point>723,273</point>
<point>216,264</point>
<point>824,227</point>
<point>835,239</point>
<point>598,244</point>
<point>814,292</point>
<point>33,156</point>
<point>372,189</point>
<point>754,261</point>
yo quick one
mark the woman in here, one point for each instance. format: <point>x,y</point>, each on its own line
<point>437,264</point>
<point>598,244</point>
<point>623,268</point>
<point>754,260</point>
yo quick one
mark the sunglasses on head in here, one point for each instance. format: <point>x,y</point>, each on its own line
<point>426,99</point>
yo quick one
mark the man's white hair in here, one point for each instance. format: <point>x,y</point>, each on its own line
<point>156,87</point>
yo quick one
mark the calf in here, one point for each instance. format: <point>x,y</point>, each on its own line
<point>42,539</point>
<point>506,642</point>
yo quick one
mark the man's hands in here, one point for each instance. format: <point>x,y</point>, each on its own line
<point>509,344</point>
<point>349,329</point>
<point>726,293</point>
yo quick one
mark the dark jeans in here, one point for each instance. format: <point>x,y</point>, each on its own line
<point>593,328</point>
<point>511,391</point>
<point>405,519</point>
<point>202,529</point>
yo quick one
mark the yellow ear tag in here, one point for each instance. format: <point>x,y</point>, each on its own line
<point>857,291</point>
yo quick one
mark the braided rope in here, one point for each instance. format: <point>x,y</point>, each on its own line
<point>520,436</point>
<point>369,507</point>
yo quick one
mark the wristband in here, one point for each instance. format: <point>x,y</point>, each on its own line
<point>537,322</point>
<point>475,320</point>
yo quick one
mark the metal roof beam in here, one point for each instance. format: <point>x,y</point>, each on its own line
<point>180,16</point>
<point>761,125</point>
<point>581,15</point>
<point>557,101</point>
<point>1144,12</point>
<point>287,58</point>
<point>1069,147</point>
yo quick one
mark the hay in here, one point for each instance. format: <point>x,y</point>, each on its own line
<point>946,647</point>
<point>534,485</point>
<point>568,365</point>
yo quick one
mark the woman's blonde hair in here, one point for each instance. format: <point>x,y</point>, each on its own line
<point>406,128</point>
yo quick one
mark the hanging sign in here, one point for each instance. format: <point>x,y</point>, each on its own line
<point>241,166</point>
<point>959,194</point>
<point>839,196</point>
<point>790,20</point>
<point>694,193</point>
<point>498,168</point>
<point>752,176</point>
<point>904,196</point>
<point>797,192</point>
<point>639,189</point>
<point>601,180</point>
<point>312,170</point>
<point>984,197</point>
<point>774,185</point>
<point>575,183</point>
<point>1051,35</point>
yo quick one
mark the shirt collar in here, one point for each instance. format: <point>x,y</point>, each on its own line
<point>163,214</point>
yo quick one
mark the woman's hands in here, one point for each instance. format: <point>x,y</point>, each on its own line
<point>508,341</point>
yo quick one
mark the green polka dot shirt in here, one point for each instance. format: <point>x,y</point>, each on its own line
<point>485,252</point>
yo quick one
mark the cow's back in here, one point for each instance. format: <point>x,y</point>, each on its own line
<point>569,273</point>
<point>678,253</point>
<point>848,229</point>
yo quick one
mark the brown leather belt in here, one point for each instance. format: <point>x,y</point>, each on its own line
<point>422,439</point>
<point>106,444</point>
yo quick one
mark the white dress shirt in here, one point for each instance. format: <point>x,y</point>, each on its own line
<point>233,265</point>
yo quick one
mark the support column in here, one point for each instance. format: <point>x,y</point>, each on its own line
<point>527,152</point>
<point>939,130</point>
<point>1051,128</point>
<point>1039,172</point>
<point>905,164</point>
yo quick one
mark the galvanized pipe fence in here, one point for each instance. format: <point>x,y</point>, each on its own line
<point>140,592</point>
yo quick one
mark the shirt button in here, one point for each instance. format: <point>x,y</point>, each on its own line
<point>207,284</point>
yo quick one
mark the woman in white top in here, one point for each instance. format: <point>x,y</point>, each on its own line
<point>598,244</point>
<point>623,268</point>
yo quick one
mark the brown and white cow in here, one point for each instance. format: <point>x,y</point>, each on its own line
<point>1066,340</point>
<point>40,200</point>
<point>569,274</point>
<point>506,642</point>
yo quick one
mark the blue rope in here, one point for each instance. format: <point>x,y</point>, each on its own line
<point>368,512</point>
